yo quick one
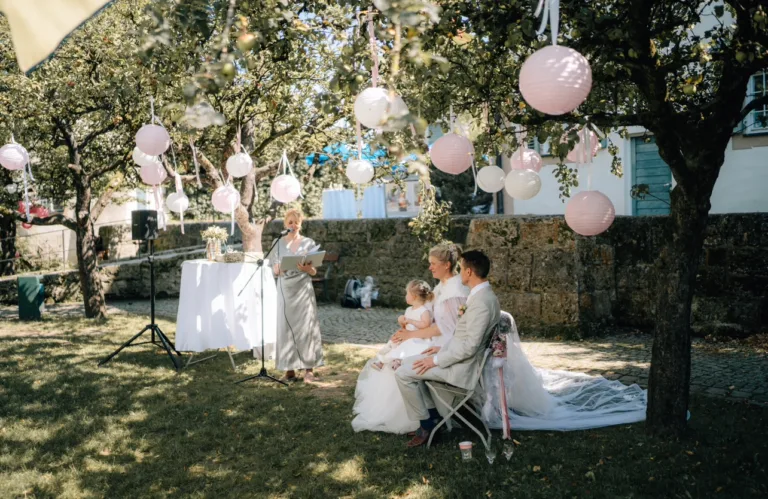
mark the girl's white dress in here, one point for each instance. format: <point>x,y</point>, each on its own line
<point>399,351</point>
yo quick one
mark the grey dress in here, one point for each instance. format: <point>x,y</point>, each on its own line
<point>299,345</point>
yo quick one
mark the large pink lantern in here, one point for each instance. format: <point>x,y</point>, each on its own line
<point>13,156</point>
<point>526,159</point>
<point>579,152</point>
<point>452,153</point>
<point>153,140</point>
<point>555,80</point>
<point>285,188</point>
<point>589,213</point>
<point>153,173</point>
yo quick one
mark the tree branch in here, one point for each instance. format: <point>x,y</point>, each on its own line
<point>753,105</point>
<point>108,168</point>
<point>55,219</point>
<point>106,196</point>
<point>96,133</point>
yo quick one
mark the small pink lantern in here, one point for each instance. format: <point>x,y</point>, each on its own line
<point>285,188</point>
<point>39,211</point>
<point>555,80</point>
<point>579,152</point>
<point>225,200</point>
<point>239,165</point>
<point>452,153</point>
<point>13,156</point>
<point>526,159</point>
<point>589,213</point>
<point>153,173</point>
<point>153,140</point>
<point>26,225</point>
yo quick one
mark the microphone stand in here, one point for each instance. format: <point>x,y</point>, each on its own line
<point>259,265</point>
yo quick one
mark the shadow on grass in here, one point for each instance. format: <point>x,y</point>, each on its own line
<point>135,428</point>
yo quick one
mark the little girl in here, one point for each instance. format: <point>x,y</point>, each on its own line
<point>418,295</point>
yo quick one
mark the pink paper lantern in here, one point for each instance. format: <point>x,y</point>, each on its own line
<point>526,159</point>
<point>13,156</point>
<point>153,173</point>
<point>589,213</point>
<point>452,154</point>
<point>225,199</point>
<point>177,202</point>
<point>285,188</point>
<point>39,211</point>
<point>579,152</point>
<point>153,140</point>
<point>26,225</point>
<point>555,80</point>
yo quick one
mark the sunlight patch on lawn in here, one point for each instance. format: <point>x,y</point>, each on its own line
<point>349,471</point>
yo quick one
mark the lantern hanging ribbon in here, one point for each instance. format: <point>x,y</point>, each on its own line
<point>588,148</point>
<point>549,10</point>
<point>194,160</point>
<point>287,168</point>
<point>179,192</point>
<point>26,170</point>
<point>157,191</point>
<point>232,213</point>
<point>374,49</point>
<point>359,140</point>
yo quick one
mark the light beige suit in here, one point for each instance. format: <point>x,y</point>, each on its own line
<point>458,360</point>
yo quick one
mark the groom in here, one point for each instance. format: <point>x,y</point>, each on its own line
<point>458,360</point>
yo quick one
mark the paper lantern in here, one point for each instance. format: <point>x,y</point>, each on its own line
<point>26,225</point>
<point>452,153</point>
<point>239,165</point>
<point>395,113</point>
<point>39,211</point>
<point>153,173</point>
<point>13,157</point>
<point>526,159</point>
<point>153,140</point>
<point>142,159</point>
<point>285,188</point>
<point>555,80</point>
<point>177,202</point>
<point>522,184</point>
<point>225,199</point>
<point>490,178</point>
<point>359,171</point>
<point>370,106</point>
<point>579,152</point>
<point>589,213</point>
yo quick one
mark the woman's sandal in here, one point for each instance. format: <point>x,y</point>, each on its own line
<point>310,378</point>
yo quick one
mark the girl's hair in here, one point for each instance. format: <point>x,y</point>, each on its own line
<point>447,252</point>
<point>421,290</point>
<point>296,213</point>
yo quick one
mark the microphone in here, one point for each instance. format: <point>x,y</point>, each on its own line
<point>285,231</point>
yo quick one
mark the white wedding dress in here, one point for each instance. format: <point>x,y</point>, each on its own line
<point>378,403</point>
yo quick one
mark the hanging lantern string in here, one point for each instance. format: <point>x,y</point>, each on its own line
<point>173,158</point>
<point>374,49</point>
<point>452,117</point>
<point>152,108</point>
<point>238,140</point>
<point>549,10</point>
<point>588,148</point>
<point>474,175</point>
<point>359,140</point>
<point>194,160</point>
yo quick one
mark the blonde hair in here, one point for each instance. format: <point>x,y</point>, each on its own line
<point>421,289</point>
<point>447,253</point>
<point>296,213</point>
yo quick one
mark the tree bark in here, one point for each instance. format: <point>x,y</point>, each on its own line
<point>7,245</point>
<point>90,281</point>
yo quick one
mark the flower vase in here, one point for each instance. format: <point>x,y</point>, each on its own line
<point>212,249</point>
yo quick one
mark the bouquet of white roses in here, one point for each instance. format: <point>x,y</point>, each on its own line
<point>215,233</point>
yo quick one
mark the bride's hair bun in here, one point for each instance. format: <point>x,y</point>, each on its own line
<point>447,252</point>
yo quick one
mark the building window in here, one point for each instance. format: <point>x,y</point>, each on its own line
<point>543,149</point>
<point>757,120</point>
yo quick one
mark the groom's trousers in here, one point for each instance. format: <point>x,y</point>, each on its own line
<point>415,393</point>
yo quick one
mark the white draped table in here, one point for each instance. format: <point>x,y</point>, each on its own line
<point>213,314</point>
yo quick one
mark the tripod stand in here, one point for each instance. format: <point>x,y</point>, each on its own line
<point>165,343</point>
<point>263,372</point>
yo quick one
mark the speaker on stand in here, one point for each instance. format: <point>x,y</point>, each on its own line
<point>144,228</point>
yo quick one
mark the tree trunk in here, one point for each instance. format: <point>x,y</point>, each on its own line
<point>7,245</point>
<point>90,281</point>
<point>669,381</point>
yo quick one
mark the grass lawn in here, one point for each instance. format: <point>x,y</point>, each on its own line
<point>135,428</point>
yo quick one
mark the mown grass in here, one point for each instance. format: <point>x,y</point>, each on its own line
<point>135,428</point>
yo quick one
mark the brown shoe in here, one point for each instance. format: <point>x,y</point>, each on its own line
<point>421,438</point>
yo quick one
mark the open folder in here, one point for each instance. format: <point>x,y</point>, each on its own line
<point>292,262</point>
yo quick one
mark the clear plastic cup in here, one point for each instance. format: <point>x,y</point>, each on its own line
<point>466,450</point>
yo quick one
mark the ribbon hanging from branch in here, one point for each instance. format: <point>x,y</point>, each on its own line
<point>359,140</point>
<point>287,166</point>
<point>26,170</point>
<point>374,49</point>
<point>549,11</point>
<point>194,160</point>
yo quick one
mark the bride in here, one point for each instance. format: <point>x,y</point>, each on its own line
<point>536,399</point>
<point>378,404</point>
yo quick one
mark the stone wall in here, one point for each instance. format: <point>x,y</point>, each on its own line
<point>553,282</point>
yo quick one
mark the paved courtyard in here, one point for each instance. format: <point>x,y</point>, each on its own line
<point>736,373</point>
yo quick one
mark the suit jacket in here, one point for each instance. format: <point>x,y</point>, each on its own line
<point>460,358</point>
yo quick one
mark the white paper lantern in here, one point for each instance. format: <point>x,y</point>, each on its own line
<point>579,152</point>
<point>370,106</point>
<point>522,184</point>
<point>177,202</point>
<point>359,171</point>
<point>153,173</point>
<point>395,114</point>
<point>225,199</point>
<point>239,165</point>
<point>153,140</point>
<point>526,159</point>
<point>589,213</point>
<point>285,188</point>
<point>452,153</point>
<point>142,159</point>
<point>555,80</point>
<point>13,157</point>
<point>491,178</point>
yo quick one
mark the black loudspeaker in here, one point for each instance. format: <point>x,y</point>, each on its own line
<point>144,225</point>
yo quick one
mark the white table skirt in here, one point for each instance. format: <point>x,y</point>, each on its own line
<point>339,204</point>
<point>211,315</point>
